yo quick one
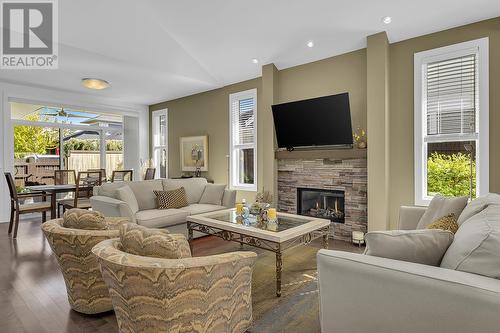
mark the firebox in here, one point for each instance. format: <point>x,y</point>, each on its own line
<point>327,204</point>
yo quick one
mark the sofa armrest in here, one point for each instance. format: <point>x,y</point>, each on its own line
<point>111,207</point>
<point>409,216</point>
<point>360,293</point>
<point>229,198</point>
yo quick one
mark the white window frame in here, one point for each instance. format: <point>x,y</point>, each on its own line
<point>480,48</point>
<point>156,143</point>
<point>233,163</point>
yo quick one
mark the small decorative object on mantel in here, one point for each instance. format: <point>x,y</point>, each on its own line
<point>194,154</point>
<point>359,137</point>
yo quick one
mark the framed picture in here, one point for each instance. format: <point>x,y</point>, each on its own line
<point>194,153</point>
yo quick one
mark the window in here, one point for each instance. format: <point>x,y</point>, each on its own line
<point>451,121</point>
<point>160,143</point>
<point>243,140</point>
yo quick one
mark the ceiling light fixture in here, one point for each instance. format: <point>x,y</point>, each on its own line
<point>255,60</point>
<point>310,43</point>
<point>93,83</point>
<point>387,20</point>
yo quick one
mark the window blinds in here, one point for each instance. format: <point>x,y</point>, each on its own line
<point>242,117</point>
<point>452,96</point>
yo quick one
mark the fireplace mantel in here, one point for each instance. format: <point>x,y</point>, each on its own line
<point>329,154</point>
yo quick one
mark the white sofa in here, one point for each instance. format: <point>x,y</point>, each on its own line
<point>105,200</point>
<point>362,293</point>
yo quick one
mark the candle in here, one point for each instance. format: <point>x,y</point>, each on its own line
<point>271,213</point>
<point>239,208</point>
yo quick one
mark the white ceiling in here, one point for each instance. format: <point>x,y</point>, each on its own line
<point>151,51</point>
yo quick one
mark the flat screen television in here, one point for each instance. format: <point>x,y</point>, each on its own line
<point>322,121</point>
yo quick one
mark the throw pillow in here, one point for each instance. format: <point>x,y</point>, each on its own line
<point>213,194</point>
<point>419,246</point>
<point>77,218</point>
<point>171,199</point>
<point>126,195</point>
<point>441,206</point>
<point>448,222</point>
<point>156,243</point>
<point>476,244</point>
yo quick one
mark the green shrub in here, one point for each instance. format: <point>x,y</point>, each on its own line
<point>450,175</point>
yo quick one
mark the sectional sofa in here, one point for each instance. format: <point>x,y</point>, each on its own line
<point>141,206</point>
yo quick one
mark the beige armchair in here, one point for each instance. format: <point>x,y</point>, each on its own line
<point>87,292</point>
<point>202,294</point>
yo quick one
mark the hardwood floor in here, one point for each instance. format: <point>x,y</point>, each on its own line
<point>33,295</point>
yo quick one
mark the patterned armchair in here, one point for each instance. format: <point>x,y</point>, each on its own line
<point>87,292</point>
<point>200,294</point>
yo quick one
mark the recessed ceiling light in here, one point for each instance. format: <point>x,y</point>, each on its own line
<point>310,43</point>
<point>93,83</point>
<point>255,60</point>
<point>387,20</point>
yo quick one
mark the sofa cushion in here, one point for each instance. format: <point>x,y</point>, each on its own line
<point>108,189</point>
<point>126,195</point>
<point>201,208</point>
<point>212,194</point>
<point>477,205</point>
<point>143,191</point>
<point>156,243</point>
<point>194,187</point>
<point>419,246</point>
<point>476,245</point>
<point>160,218</point>
<point>171,199</point>
<point>441,206</point>
<point>448,222</point>
<point>77,218</point>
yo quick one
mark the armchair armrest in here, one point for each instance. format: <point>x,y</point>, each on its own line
<point>111,207</point>
<point>360,293</point>
<point>229,198</point>
<point>409,216</point>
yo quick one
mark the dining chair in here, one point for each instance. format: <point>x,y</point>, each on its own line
<point>17,208</point>
<point>102,171</point>
<point>122,175</point>
<point>64,177</point>
<point>85,181</point>
<point>150,174</point>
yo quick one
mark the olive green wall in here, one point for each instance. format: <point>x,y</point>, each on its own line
<point>204,114</point>
<point>343,73</point>
<point>401,105</point>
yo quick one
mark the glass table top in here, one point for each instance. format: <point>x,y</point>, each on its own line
<point>283,222</point>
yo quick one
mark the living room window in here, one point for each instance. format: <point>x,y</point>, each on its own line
<point>243,140</point>
<point>451,121</point>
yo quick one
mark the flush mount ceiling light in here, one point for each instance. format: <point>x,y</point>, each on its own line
<point>310,43</point>
<point>387,20</point>
<point>255,60</point>
<point>93,83</point>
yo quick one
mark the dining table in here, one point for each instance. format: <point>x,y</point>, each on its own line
<point>53,190</point>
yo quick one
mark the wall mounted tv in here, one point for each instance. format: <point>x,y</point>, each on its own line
<point>322,121</point>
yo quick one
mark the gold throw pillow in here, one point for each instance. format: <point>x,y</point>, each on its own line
<point>77,218</point>
<point>171,199</point>
<point>448,222</point>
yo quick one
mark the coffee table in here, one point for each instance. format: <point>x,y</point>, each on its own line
<point>290,231</point>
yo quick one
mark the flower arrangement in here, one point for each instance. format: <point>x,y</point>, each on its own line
<point>359,137</point>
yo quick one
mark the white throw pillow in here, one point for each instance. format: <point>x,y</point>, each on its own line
<point>442,206</point>
<point>419,246</point>
<point>213,194</point>
<point>476,248</point>
<point>477,205</point>
<point>126,195</point>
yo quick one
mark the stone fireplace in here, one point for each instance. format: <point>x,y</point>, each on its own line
<point>335,189</point>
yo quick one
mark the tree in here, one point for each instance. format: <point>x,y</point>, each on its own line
<point>34,139</point>
<point>449,175</point>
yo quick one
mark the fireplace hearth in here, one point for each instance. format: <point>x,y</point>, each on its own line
<point>322,203</point>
